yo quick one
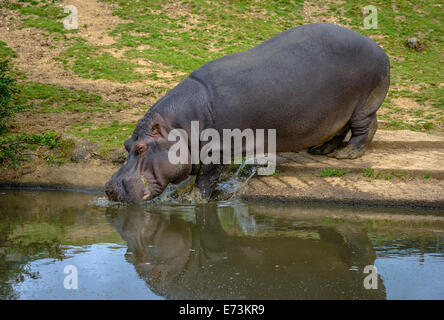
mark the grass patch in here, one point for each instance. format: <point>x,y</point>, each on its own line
<point>331,221</point>
<point>8,91</point>
<point>216,29</point>
<point>176,42</point>
<point>54,98</point>
<point>13,147</point>
<point>384,176</point>
<point>368,172</point>
<point>6,52</point>
<point>42,14</point>
<point>111,136</point>
<point>89,62</point>
<point>400,175</point>
<point>328,172</point>
<point>372,174</point>
<point>417,75</point>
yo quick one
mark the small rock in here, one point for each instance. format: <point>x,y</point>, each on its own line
<point>415,44</point>
<point>412,43</point>
<point>27,169</point>
<point>119,155</point>
<point>84,150</point>
<point>80,153</point>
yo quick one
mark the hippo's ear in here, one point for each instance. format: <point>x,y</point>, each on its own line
<point>158,131</point>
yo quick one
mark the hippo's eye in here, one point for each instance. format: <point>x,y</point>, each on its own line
<point>140,148</point>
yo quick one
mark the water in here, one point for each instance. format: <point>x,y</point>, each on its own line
<point>222,250</point>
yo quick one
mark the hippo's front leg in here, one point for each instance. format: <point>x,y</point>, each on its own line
<point>207,178</point>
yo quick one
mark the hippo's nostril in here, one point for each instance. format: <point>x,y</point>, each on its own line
<point>110,191</point>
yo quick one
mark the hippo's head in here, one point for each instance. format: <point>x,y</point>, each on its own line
<point>147,170</point>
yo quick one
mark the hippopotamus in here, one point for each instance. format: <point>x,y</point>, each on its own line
<point>313,84</point>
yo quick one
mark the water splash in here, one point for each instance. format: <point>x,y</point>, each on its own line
<point>228,188</point>
<point>234,185</point>
<point>184,192</point>
<point>104,202</point>
<point>251,172</point>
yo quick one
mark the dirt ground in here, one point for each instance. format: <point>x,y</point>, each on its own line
<point>36,53</point>
<point>35,57</point>
<point>406,170</point>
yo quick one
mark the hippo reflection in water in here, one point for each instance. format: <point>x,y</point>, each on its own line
<point>198,258</point>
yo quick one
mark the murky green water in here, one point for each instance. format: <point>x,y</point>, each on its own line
<point>225,250</point>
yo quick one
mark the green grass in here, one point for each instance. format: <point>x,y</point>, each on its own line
<point>384,176</point>
<point>13,147</point>
<point>111,136</point>
<point>54,98</point>
<point>178,43</point>
<point>175,43</point>
<point>392,124</point>
<point>368,172</point>
<point>372,174</point>
<point>8,92</point>
<point>400,175</point>
<point>88,62</point>
<point>6,52</point>
<point>424,20</point>
<point>329,172</point>
<point>42,14</point>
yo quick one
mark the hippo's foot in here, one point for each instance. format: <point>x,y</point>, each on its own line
<point>327,147</point>
<point>349,152</point>
<point>359,141</point>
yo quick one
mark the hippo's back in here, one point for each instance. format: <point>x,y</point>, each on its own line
<point>304,78</point>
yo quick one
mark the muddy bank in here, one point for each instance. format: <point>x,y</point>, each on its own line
<point>352,190</point>
<point>90,176</point>
<point>402,168</point>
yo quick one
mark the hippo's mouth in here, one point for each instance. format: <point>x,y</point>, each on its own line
<point>150,190</point>
<point>135,190</point>
<point>146,191</point>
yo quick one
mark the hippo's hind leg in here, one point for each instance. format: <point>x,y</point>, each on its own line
<point>363,123</point>
<point>360,139</point>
